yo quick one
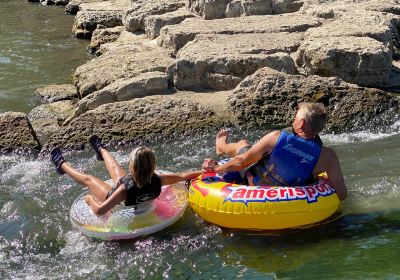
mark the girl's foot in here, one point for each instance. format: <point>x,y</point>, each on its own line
<point>97,145</point>
<point>57,158</point>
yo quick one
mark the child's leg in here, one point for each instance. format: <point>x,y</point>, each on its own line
<point>113,167</point>
<point>229,149</point>
<point>99,188</point>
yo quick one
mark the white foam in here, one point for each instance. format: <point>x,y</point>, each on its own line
<point>362,136</point>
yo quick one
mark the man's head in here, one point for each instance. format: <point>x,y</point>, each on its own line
<point>310,118</point>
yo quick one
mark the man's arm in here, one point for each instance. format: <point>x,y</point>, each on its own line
<point>255,153</point>
<point>329,162</point>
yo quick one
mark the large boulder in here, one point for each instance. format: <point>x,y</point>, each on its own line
<point>73,6</point>
<point>90,15</point>
<point>145,84</point>
<point>359,60</point>
<point>125,58</point>
<point>102,35</point>
<point>16,133</point>
<point>213,9</point>
<point>220,62</point>
<point>144,119</point>
<point>46,119</point>
<point>174,37</point>
<point>154,23</point>
<point>53,93</point>
<point>374,25</point>
<point>134,17</point>
<point>268,98</point>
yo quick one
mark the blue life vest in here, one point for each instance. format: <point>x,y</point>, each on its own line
<point>291,162</point>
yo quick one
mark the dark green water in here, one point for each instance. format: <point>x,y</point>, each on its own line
<point>37,240</point>
<point>36,49</point>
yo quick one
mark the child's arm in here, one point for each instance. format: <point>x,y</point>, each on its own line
<point>168,179</point>
<point>101,208</point>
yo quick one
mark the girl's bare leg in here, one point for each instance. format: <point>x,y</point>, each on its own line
<point>96,186</point>
<point>229,149</point>
<point>113,167</point>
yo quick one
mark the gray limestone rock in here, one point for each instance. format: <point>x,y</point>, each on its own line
<point>144,84</point>
<point>134,17</point>
<point>220,62</point>
<point>359,60</point>
<point>128,57</point>
<point>174,37</point>
<point>143,119</point>
<point>378,26</point>
<point>268,98</point>
<point>102,35</point>
<point>46,119</point>
<point>16,133</point>
<point>106,13</point>
<point>213,9</point>
<point>153,24</point>
<point>53,93</point>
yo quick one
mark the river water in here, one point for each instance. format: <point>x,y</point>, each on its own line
<point>37,240</point>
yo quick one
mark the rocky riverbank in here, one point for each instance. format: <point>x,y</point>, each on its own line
<point>171,67</point>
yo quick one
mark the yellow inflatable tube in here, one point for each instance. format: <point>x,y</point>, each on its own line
<point>261,207</point>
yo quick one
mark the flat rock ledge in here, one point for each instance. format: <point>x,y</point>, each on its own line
<point>269,98</point>
<point>214,9</point>
<point>220,62</point>
<point>17,134</point>
<point>128,57</point>
<point>140,120</point>
<point>92,14</point>
<point>175,37</point>
<point>53,93</point>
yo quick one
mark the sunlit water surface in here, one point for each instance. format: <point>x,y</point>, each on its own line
<point>37,240</point>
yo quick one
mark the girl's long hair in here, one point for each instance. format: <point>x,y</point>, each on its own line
<point>142,164</point>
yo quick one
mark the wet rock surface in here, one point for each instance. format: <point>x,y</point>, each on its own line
<point>16,133</point>
<point>269,98</point>
<point>53,93</point>
<point>144,119</point>
<point>47,119</point>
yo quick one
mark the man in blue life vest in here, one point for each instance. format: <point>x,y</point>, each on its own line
<point>284,158</point>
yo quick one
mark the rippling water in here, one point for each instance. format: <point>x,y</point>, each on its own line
<point>37,240</point>
<point>36,49</point>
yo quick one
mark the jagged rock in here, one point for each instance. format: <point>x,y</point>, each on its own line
<point>126,58</point>
<point>378,26</point>
<point>102,35</point>
<point>213,9</point>
<point>73,5</point>
<point>144,119</point>
<point>106,13</point>
<point>135,15</point>
<point>208,9</point>
<point>16,133</point>
<point>358,60</point>
<point>220,62</point>
<point>153,24</point>
<point>174,37</point>
<point>269,98</point>
<point>330,8</point>
<point>53,93</point>
<point>145,84</point>
<point>46,119</point>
